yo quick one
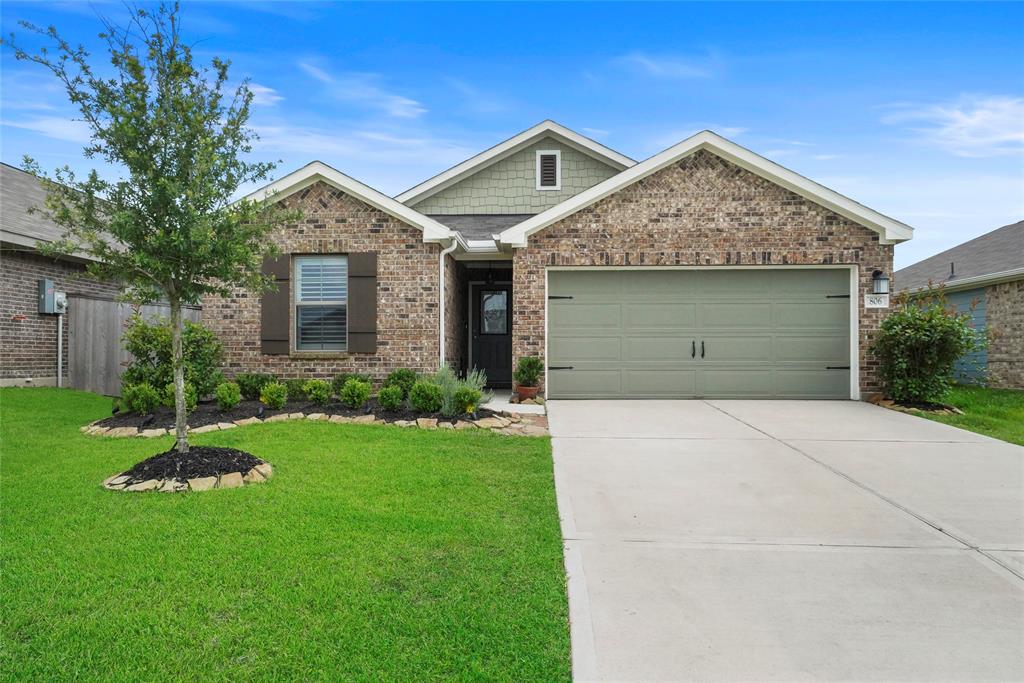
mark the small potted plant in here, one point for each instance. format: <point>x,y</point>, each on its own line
<point>527,377</point>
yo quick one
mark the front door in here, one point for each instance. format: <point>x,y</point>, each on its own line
<point>492,333</point>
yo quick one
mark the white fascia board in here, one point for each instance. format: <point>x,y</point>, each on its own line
<point>317,171</point>
<point>509,147</point>
<point>890,230</point>
<point>972,282</point>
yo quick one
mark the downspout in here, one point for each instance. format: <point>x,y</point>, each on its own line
<point>441,295</point>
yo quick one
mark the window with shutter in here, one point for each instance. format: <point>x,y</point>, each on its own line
<point>321,303</point>
<point>549,170</point>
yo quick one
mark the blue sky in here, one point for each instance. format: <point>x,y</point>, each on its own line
<point>914,109</point>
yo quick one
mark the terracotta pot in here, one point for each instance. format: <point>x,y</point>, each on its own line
<point>526,392</point>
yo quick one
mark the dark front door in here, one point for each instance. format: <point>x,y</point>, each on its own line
<point>492,333</point>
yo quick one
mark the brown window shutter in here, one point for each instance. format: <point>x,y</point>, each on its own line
<point>274,307</point>
<point>362,302</point>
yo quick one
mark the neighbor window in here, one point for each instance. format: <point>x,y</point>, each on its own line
<point>549,169</point>
<point>321,303</point>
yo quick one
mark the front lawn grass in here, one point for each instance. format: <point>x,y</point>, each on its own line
<point>374,553</point>
<point>994,412</point>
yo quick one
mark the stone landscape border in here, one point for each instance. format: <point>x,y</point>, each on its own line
<point>257,475</point>
<point>505,423</point>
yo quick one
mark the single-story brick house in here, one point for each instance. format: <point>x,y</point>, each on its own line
<point>704,271</point>
<point>984,277</point>
<point>28,338</point>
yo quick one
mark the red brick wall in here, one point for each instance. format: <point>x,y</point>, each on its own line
<point>1004,314</point>
<point>702,210</point>
<point>407,292</point>
<point>28,339</point>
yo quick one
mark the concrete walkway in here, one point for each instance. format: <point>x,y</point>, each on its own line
<point>787,541</point>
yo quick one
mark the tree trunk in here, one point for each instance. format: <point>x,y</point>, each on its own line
<point>180,416</point>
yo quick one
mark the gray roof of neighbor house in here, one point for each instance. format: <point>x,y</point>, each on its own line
<point>20,191</point>
<point>479,226</point>
<point>993,254</point>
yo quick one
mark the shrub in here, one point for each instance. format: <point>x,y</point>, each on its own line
<point>390,397</point>
<point>403,378</point>
<point>149,342</point>
<point>355,392</point>
<point>252,383</point>
<point>338,382</point>
<point>426,397</point>
<point>466,399</point>
<point>140,398</point>
<point>318,391</point>
<point>451,385</point>
<point>296,389</point>
<point>274,395</point>
<point>228,395</point>
<point>917,345</point>
<point>528,371</point>
<point>191,396</point>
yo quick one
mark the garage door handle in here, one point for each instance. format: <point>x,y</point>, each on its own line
<point>702,348</point>
<point>693,349</point>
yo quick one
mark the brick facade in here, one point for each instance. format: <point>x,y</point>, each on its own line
<point>1004,313</point>
<point>456,330</point>
<point>407,292</point>
<point>701,210</point>
<point>28,339</point>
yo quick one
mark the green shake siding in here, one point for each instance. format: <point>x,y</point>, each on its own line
<point>768,333</point>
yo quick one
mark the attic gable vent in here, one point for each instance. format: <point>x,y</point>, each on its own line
<point>549,169</point>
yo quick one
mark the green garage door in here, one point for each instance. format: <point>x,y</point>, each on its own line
<point>771,333</point>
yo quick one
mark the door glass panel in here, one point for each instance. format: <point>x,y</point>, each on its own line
<point>494,312</point>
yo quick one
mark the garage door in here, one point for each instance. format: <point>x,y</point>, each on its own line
<point>771,333</point>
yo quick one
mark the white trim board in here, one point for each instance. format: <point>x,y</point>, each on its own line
<point>890,230</point>
<point>511,146</point>
<point>319,171</point>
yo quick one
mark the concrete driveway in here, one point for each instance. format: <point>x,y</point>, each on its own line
<point>787,541</point>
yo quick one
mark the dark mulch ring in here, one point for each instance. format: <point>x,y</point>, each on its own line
<point>200,461</point>
<point>207,413</point>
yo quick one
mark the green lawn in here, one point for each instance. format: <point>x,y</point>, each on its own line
<point>374,553</point>
<point>993,412</point>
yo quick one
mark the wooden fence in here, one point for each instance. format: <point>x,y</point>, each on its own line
<point>96,355</point>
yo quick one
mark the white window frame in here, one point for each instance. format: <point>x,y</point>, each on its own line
<point>297,303</point>
<point>558,169</point>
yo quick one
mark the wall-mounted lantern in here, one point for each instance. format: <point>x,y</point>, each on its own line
<point>880,282</point>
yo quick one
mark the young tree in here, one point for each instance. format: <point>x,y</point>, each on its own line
<point>167,227</point>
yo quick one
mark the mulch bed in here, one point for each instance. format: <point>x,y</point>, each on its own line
<point>200,461</point>
<point>922,406</point>
<point>207,413</point>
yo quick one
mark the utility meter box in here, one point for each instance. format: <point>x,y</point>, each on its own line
<point>47,297</point>
<point>51,301</point>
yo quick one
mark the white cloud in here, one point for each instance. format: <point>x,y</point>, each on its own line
<point>54,127</point>
<point>668,66</point>
<point>676,135</point>
<point>596,132</point>
<point>262,96</point>
<point>363,88</point>
<point>477,100</point>
<point>972,126</point>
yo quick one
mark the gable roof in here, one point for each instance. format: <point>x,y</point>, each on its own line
<point>19,192</point>
<point>511,146</point>
<point>319,171</point>
<point>890,230</point>
<point>997,255</point>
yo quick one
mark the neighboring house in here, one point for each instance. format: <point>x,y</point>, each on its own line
<point>704,271</point>
<point>983,277</point>
<point>28,339</point>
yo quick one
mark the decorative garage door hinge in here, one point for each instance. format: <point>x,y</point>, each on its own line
<point>837,367</point>
<point>555,296</point>
<point>559,367</point>
<point>837,296</point>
